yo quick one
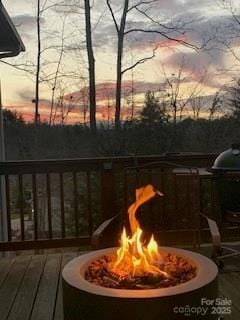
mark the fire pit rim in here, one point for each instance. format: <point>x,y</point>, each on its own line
<point>73,274</point>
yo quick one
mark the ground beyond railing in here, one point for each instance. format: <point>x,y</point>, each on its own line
<point>55,203</point>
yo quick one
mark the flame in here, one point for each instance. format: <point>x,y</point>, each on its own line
<point>134,258</point>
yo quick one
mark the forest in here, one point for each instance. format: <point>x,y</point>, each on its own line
<point>152,134</point>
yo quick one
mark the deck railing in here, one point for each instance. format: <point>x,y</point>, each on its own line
<point>56,203</point>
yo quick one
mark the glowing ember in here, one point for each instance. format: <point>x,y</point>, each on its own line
<point>134,258</point>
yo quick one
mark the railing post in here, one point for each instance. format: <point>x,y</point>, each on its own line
<point>3,211</point>
<point>108,204</point>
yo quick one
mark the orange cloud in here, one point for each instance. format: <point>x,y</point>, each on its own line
<point>162,43</point>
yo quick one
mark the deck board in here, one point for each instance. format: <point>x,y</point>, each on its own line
<point>5,265</point>
<point>235,314</point>
<point>229,286</point>
<point>44,305</point>
<point>11,285</point>
<point>25,298</point>
<point>31,287</point>
<point>58,313</point>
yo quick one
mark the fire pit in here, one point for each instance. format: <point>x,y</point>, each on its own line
<point>138,280</point>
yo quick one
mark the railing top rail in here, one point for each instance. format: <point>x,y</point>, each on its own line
<point>82,164</point>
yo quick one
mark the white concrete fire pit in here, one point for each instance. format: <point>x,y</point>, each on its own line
<point>83,300</point>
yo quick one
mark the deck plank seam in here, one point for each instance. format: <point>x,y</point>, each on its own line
<point>39,281</point>
<point>59,277</point>
<point>10,267</point>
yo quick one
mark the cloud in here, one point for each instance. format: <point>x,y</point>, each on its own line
<point>176,7</point>
<point>191,18</point>
<point>26,24</point>
<point>26,94</point>
<point>106,37</point>
<point>202,31</point>
<point>24,21</point>
<point>106,90</point>
<point>197,65</point>
<point>175,25</point>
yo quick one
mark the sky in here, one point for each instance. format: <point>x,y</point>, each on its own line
<point>203,23</point>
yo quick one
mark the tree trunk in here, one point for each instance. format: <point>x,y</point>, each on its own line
<point>119,65</point>
<point>132,97</point>
<point>37,118</point>
<point>118,84</point>
<point>91,67</point>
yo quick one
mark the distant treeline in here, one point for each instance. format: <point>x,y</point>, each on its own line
<point>27,141</point>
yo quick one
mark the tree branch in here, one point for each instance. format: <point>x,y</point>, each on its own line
<point>20,67</point>
<point>45,8</point>
<point>189,45</point>
<point>232,52</point>
<point>112,14</point>
<point>231,9</point>
<point>144,13</point>
<point>140,4</point>
<point>143,60</point>
<point>99,19</point>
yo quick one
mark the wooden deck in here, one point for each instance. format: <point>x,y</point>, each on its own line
<point>30,286</point>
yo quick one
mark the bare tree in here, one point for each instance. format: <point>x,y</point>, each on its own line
<point>121,33</point>
<point>45,69</point>
<point>36,100</point>
<point>108,104</point>
<point>197,104</point>
<point>178,98</point>
<point>132,93</point>
<point>42,6</point>
<point>64,106</point>
<point>91,66</point>
<point>215,106</point>
<point>162,30</point>
<point>57,70</point>
<point>230,35</point>
<point>130,99</point>
<point>227,100</point>
<point>85,103</point>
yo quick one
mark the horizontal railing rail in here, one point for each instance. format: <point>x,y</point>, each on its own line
<point>66,165</point>
<point>57,203</point>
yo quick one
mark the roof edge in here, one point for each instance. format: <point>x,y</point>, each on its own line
<point>15,33</point>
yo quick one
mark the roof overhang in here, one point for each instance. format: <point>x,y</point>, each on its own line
<point>10,42</point>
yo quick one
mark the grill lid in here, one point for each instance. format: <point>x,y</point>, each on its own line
<point>228,160</point>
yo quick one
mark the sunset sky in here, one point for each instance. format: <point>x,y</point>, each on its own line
<point>205,20</point>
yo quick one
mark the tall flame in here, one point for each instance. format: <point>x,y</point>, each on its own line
<point>134,258</point>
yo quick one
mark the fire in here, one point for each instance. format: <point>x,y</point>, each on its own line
<point>134,258</point>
